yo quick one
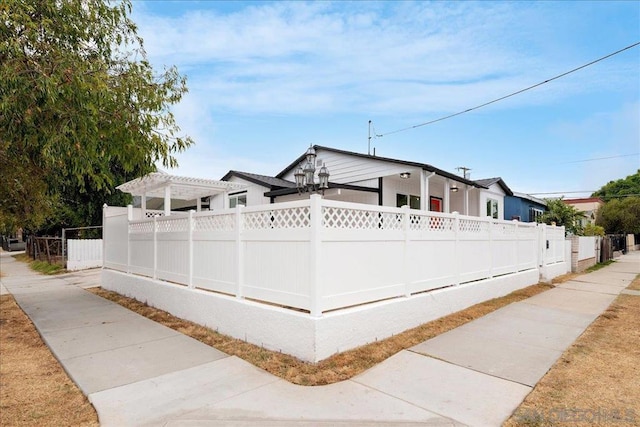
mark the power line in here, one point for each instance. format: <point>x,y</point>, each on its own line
<point>512,94</point>
<point>601,158</point>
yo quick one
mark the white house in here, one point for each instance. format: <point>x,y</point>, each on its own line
<point>374,180</point>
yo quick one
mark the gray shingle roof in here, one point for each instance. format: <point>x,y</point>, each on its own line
<point>267,181</point>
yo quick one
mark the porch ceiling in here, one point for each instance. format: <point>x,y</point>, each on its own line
<point>181,187</point>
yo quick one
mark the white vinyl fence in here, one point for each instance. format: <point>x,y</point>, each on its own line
<point>321,255</point>
<point>83,254</point>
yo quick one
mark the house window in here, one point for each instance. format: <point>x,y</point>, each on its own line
<point>534,214</point>
<point>238,199</point>
<point>404,199</point>
<point>492,208</point>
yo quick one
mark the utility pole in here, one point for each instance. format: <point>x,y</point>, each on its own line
<point>465,171</point>
<point>369,144</point>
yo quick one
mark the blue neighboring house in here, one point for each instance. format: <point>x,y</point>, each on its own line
<point>523,207</point>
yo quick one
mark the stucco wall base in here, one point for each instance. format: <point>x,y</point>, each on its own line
<point>551,271</point>
<point>299,334</point>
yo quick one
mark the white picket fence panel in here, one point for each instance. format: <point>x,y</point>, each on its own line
<point>84,253</point>
<point>321,255</point>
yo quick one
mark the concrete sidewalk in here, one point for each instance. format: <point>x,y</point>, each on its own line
<point>137,372</point>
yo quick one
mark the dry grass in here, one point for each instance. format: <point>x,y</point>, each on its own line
<point>336,368</point>
<point>635,285</point>
<point>34,389</point>
<point>596,382</point>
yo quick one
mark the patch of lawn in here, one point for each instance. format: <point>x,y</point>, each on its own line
<point>596,382</point>
<point>40,266</point>
<point>338,367</point>
<point>599,265</point>
<point>35,390</point>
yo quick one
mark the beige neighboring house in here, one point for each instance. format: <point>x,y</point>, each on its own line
<point>588,206</point>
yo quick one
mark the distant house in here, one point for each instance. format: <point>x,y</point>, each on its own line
<point>523,207</point>
<point>494,197</point>
<point>588,206</point>
<point>370,179</point>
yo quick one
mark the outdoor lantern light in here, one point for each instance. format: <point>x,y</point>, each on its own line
<point>305,176</point>
<point>405,175</point>
<point>323,175</point>
<point>299,174</point>
<point>454,188</point>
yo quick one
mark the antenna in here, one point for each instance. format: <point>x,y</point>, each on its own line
<point>374,134</point>
<point>465,171</point>
<point>369,144</point>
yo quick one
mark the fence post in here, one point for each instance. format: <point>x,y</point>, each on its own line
<point>517,244</point>
<point>104,234</point>
<point>239,252</point>
<point>64,257</point>
<point>129,219</point>
<point>406,216</point>
<point>155,247</point>
<point>315,212</point>
<point>190,243</point>
<point>491,248</point>
<point>456,230</point>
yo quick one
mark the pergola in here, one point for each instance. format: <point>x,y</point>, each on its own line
<point>163,185</point>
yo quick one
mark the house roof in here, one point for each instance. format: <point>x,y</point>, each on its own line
<point>271,182</point>
<point>181,187</point>
<point>530,198</point>
<point>488,182</point>
<point>424,166</point>
<point>584,200</point>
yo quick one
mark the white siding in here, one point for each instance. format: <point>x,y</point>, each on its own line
<point>496,193</point>
<point>346,169</point>
<point>255,194</point>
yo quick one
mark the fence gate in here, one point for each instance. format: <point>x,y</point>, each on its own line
<point>82,247</point>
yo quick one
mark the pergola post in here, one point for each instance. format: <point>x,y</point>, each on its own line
<point>167,200</point>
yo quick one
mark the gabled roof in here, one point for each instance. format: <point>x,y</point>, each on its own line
<point>424,166</point>
<point>181,187</point>
<point>270,182</point>
<point>488,182</point>
<point>530,198</point>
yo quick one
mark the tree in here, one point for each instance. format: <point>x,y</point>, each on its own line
<point>561,214</point>
<point>626,187</point>
<point>620,216</point>
<point>80,105</point>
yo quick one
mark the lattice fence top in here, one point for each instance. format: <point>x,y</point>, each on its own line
<point>473,226</point>
<point>141,227</point>
<point>151,214</point>
<point>168,224</point>
<point>225,222</point>
<point>421,222</point>
<point>361,219</point>
<point>299,217</point>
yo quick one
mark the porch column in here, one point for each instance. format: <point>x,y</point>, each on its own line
<point>447,190</point>
<point>424,190</point>
<point>167,200</point>
<point>198,204</point>
<point>465,209</point>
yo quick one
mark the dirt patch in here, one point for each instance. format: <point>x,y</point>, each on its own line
<point>336,368</point>
<point>596,382</point>
<point>34,389</point>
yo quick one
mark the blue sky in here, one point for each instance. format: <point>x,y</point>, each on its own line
<point>266,79</point>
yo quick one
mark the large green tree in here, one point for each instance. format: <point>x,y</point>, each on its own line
<point>81,108</point>
<point>625,187</point>
<point>561,214</point>
<point>620,216</point>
